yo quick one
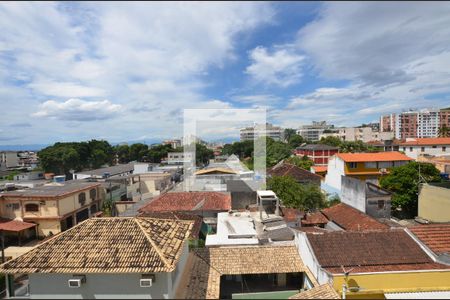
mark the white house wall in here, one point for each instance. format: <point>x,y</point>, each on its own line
<point>307,255</point>
<point>334,173</point>
<point>416,150</point>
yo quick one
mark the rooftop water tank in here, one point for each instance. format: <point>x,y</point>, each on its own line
<point>59,178</point>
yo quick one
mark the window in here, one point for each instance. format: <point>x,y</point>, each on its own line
<point>410,149</point>
<point>380,204</point>
<point>385,164</point>
<point>444,149</point>
<point>370,165</point>
<point>404,148</point>
<point>15,206</point>
<point>353,165</point>
<point>422,149</point>
<point>31,207</point>
<point>93,194</point>
<point>82,198</point>
<point>434,147</point>
<point>93,209</point>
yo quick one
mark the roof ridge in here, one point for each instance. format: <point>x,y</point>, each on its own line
<point>160,253</point>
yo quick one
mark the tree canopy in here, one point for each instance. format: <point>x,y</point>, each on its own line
<point>295,195</point>
<point>63,157</point>
<point>404,182</point>
<point>347,146</point>
<point>302,162</point>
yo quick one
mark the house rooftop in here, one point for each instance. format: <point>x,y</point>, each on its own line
<point>324,291</point>
<point>371,251</point>
<point>317,147</point>
<point>53,189</point>
<point>107,245</point>
<point>351,219</point>
<point>299,174</point>
<point>189,201</point>
<point>319,169</point>
<point>196,228</point>
<point>113,170</point>
<point>373,157</point>
<point>208,264</point>
<point>426,141</point>
<point>436,237</point>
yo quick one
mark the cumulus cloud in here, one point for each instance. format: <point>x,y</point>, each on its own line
<point>375,42</point>
<point>78,110</point>
<point>281,67</point>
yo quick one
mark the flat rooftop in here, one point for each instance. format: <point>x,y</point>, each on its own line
<point>52,189</point>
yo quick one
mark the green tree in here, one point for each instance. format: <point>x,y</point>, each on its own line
<point>331,141</point>
<point>404,182</point>
<point>288,133</point>
<point>202,154</point>
<point>292,194</point>
<point>138,151</point>
<point>276,151</point>
<point>444,131</point>
<point>302,162</point>
<point>157,153</point>
<point>295,141</point>
<point>123,153</point>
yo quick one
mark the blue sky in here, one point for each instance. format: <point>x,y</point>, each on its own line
<point>125,71</point>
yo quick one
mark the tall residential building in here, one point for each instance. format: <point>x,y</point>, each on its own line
<point>250,133</point>
<point>312,132</point>
<point>423,123</point>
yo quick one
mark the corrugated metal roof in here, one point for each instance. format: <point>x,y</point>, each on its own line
<point>419,295</point>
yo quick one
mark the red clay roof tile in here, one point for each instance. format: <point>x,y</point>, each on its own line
<point>377,156</point>
<point>351,219</point>
<point>188,201</point>
<point>435,236</point>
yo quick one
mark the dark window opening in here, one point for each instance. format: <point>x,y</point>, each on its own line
<point>32,207</point>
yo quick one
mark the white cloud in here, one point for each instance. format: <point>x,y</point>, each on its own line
<point>150,58</point>
<point>281,67</point>
<point>78,110</point>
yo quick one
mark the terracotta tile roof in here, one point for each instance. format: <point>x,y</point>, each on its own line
<point>324,291</point>
<point>299,174</point>
<point>372,248</point>
<point>291,214</point>
<point>14,225</point>
<point>436,237</point>
<point>188,201</point>
<point>211,263</point>
<point>350,218</point>
<point>315,218</point>
<point>426,142</point>
<point>320,168</point>
<point>377,156</point>
<point>107,245</point>
<point>391,268</point>
<point>215,171</point>
<point>196,228</point>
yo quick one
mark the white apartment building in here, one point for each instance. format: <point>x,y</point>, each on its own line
<point>259,130</point>
<point>365,134</point>
<point>425,146</point>
<point>314,131</point>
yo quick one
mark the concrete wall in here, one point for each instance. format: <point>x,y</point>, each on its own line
<point>309,259</point>
<point>334,172</point>
<point>98,286</point>
<point>434,203</point>
<point>354,193</point>
<point>417,150</point>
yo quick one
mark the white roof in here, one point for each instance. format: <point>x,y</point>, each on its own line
<point>266,193</point>
<point>233,229</point>
<point>419,295</point>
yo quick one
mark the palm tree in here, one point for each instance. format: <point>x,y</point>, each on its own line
<point>444,131</point>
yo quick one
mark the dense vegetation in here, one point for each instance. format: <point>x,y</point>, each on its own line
<point>61,158</point>
<point>404,182</point>
<point>306,197</point>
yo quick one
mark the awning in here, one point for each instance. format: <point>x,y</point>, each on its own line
<point>14,225</point>
<point>419,295</point>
